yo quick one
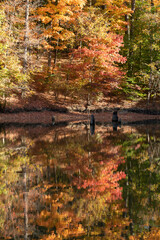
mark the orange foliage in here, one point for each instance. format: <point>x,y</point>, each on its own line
<point>115,11</point>
<point>56,17</point>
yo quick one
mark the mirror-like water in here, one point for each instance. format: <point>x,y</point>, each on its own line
<point>76,183</point>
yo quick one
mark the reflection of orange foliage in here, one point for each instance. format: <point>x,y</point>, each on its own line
<point>66,233</point>
<point>62,221</point>
<point>107,181</point>
<point>116,225</point>
<point>154,234</point>
<point>50,237</point>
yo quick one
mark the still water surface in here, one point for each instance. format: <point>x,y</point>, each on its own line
<point>69,182</point>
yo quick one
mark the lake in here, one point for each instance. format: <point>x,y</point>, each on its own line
<point>72,181</point>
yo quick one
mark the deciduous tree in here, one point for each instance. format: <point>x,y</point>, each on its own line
<point>11,76</point>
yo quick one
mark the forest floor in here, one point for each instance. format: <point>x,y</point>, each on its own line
<point>40,108</point>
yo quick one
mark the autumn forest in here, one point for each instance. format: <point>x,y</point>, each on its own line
<point>79,49</point>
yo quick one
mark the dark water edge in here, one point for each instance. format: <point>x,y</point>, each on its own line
<point>65,110</point>
<point>66,123</point>
<point>34,109</point>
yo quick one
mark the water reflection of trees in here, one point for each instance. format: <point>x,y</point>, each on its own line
<point>85,166</point>
<point>64,183</point>
<point>141,190</point>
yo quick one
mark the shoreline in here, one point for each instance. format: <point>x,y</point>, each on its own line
<point>43,116</point>
<point>96,110</point>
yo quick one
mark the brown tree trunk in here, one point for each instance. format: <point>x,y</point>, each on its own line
<point>131,35</point>
<point>151,58</point>
<point>26,37</point>
<point>49,60</point>
<point>25,197</point>
<point>56,53</point>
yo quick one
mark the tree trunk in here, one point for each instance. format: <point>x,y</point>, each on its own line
<point>151,58</point>
<point>26,37</point>
<point>49,60</point>
<point>56,53</point>
<point>131,35</point>
<point>25,194</point>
